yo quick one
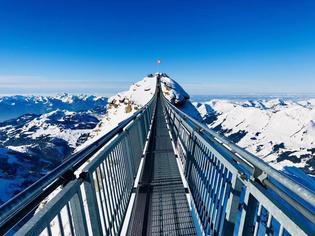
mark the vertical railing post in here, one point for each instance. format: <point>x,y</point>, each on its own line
<point>78,215</point>
<point>232,207</point>
<point>130,156</point>
<point>92,203</point>
<point>246,224</point>
<point>190,156</point>
<point>142,139</point>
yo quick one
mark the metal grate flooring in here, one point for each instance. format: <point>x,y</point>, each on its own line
<point>161,206</point>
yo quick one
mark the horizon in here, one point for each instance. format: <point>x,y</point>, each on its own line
<point>208,47</point>
<point>157,117</point>
<point>193,97</point>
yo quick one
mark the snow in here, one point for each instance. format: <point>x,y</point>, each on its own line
<point>66,98</point>
<point>172,90</point>
<point>175,94</point>
<point>46,128</point>
<point>122,106</point>
<point>22,148</point>
<point>15,106</point>
<point>71,136</point>
<point>267,123</point>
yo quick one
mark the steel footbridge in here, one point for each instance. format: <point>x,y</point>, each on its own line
<point>160,172</point>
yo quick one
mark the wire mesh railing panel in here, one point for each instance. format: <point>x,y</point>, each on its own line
<point>96,201</point>
<point>63,215</point>
<point>232,190</point>
<point>111,174</point>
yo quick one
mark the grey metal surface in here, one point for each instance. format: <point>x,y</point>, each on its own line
<point>258,165</point>
<point>161,206</point>
<point>234,192</point>
<point>96,202</point>
<point>22,205</point>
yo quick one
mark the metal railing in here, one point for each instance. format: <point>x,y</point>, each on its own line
<point>234,192</point>
<point>94,203</point>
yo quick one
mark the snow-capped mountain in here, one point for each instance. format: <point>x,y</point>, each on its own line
<point>281,132</point>
<point>33,144</point>
<point>15,106</point>
<point>123,105</point>
<point>174,93</point>
<point>54,127</point>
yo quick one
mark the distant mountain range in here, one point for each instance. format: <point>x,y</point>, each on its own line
<point>14,106</point>
<point>281,132</point>
<point>38,132</point>
<point>42,130</point>
<point>33,143</point>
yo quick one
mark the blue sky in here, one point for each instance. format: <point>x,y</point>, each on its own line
<point>210,47</point>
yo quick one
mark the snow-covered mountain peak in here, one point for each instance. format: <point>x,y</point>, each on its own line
<point>125,104</point>
<point>172,90</point>
<point>38,132</point>
<point>174,93</point>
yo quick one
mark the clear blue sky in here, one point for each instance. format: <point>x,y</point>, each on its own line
<point>210,47</point>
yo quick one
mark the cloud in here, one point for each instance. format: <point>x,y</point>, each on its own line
<point>28,84</point>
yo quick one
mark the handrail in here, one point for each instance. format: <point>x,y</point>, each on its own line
<point>258,163</point>
<point>252,176</point>
<point>217,172</point>
<point>17,208</point>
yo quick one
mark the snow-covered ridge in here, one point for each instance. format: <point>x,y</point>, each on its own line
<point>172,90</point>
<point>119,108</point>
<point>54,127</point>
<point>281,132</point>
<point>123,105</point>
<point>176,95</point>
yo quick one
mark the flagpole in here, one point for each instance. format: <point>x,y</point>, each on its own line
<point>158,62</point>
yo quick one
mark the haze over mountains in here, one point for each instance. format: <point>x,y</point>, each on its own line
<point>14,106</point>
<point>38,132</point>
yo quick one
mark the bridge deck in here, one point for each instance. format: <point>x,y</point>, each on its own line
<point>161,206</point>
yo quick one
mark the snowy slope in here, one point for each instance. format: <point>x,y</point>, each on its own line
<point>120,107</point>
<point>32,145</point>
<point>172,90</point>
<point>281,132</point>
<point>124,105</point>
<point>175,94</point>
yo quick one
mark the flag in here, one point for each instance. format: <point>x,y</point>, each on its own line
<point>158,61</point>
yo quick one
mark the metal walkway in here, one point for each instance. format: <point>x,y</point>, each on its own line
<point>161,206</point>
